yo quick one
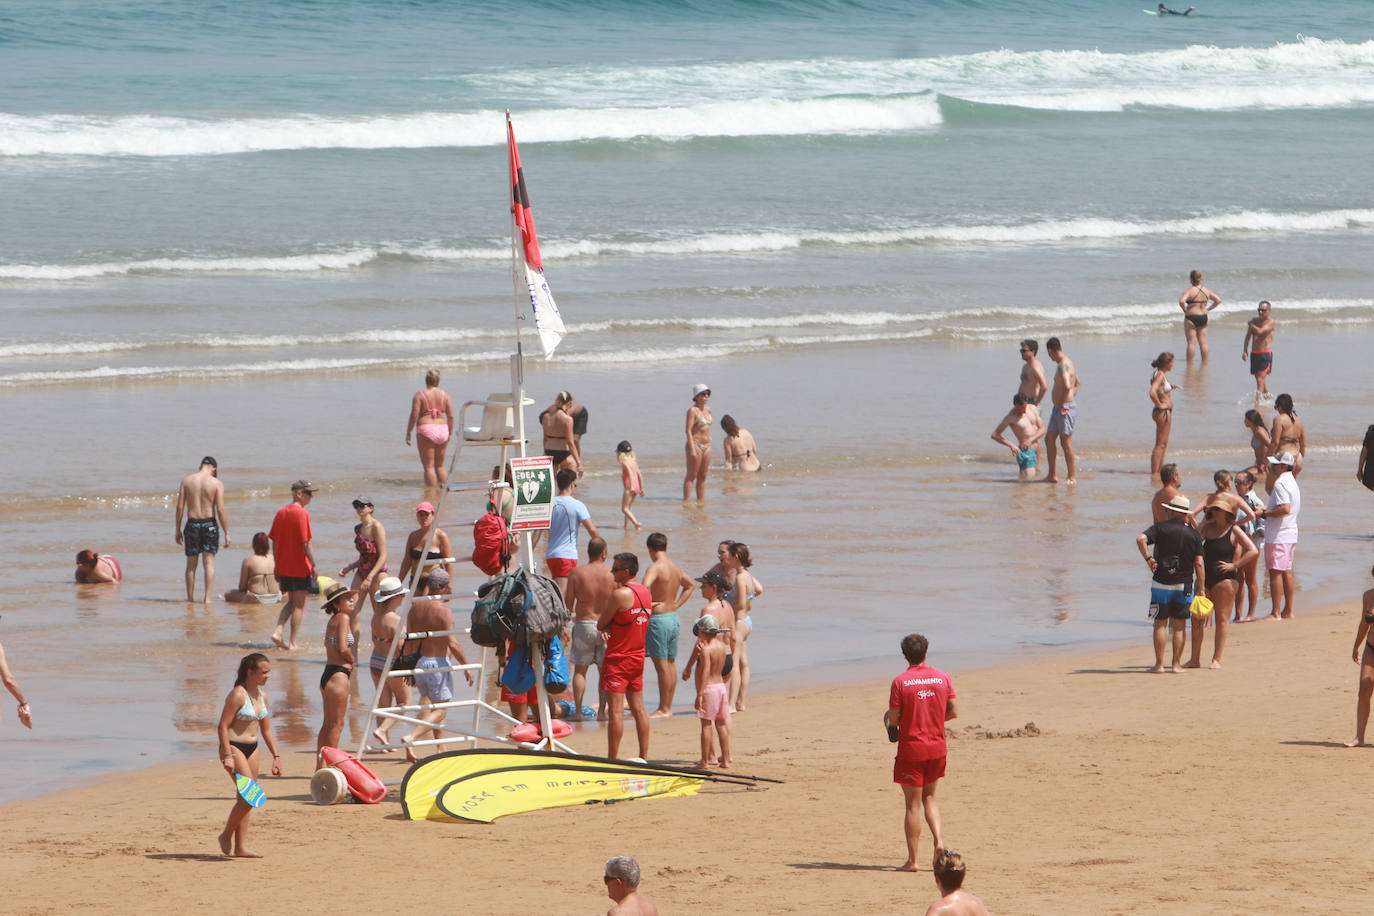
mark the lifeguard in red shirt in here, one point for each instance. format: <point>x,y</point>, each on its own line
<point>919,705</point>
<point>625,623</point>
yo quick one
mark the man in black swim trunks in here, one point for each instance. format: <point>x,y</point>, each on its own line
<point>201,500</point>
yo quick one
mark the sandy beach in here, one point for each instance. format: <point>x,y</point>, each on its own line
<point>1076,784</point>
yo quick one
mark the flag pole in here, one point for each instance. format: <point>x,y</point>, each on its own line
<point>521,288</point>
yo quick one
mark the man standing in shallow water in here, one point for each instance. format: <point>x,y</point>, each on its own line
<point>1033,385</point>
<point>1064,413</point>
<point>295,560</point>
<point>201,500</point>
<point>1028,429</point>
<point>1258,348</point>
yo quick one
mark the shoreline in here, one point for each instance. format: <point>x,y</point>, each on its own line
<point>1087,812</point>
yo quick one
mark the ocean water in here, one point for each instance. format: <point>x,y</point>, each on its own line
<point>247,229</point>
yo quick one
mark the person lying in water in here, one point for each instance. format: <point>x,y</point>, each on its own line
<point>1165,11</point>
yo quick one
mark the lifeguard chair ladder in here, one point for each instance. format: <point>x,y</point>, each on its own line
<point>502,426</point>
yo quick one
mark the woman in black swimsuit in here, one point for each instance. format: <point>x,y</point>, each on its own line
<point>340,655</point>
<point>440,549</point>
<point>1225,549</point>
<point>1363,654</point>
<point>1196,301</point>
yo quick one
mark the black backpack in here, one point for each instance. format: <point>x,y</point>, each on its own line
<point>498,612</point>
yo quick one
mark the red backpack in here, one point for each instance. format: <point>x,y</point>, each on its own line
<point>490,543</point>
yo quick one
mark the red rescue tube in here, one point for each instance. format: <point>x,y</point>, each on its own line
<point>529,732</point>
<point>363,784</point>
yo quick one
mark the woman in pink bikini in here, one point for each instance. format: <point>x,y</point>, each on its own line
<point>431,419</point>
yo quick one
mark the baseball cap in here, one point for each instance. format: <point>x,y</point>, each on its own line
<point>303,484</point>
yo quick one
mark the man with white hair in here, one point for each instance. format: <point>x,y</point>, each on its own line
<point>622,886</point>
<point>1281,536</point>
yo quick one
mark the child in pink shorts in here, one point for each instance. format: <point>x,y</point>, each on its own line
<point>713,696</point>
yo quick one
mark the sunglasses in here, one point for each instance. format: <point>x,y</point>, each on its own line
<point>608,879</point>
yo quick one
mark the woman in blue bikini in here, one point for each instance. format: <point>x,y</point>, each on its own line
<point>243,722</point>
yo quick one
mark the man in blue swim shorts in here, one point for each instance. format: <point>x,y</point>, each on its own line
<point>1025,423</point>
<point>1175,565</point>
<point>1064,412</point>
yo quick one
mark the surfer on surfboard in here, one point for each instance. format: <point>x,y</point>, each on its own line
<point>1165,11</point>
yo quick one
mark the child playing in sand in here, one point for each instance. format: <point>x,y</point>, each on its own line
<point>713,696</point>
<point>632,481</point>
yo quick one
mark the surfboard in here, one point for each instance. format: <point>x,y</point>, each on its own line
<point>1150,12</point>
<point>250,791</point>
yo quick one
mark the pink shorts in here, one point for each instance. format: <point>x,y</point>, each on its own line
<point>559,568</point>
<point>1279,556</point>
<point>715,703</point>
<point>917,772</point>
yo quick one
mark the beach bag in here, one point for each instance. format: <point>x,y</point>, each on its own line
<point>490,544</point>
<point>519,674</point>
<point>498,612</point>
<point>546,616</point>
<point>555,667</point>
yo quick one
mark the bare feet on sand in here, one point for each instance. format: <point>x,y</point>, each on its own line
<point>1215,664</point>
<point>224,844</point>
<point>1193,664</point>
<point>276,641</point>
<point>907,866</point>
<point>661,714</point>
<point>410,751</point>
<point>245,854</point>
<point>1358,742</point>
<point>381,740</point>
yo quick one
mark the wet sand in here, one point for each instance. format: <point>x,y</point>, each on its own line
<point>1207,792</point>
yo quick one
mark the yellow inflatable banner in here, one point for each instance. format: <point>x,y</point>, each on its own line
<point>481,785</point>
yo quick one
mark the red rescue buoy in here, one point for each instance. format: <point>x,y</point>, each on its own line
<point>363,784</point>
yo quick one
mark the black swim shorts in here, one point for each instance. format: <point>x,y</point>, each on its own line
<point>201,535</point>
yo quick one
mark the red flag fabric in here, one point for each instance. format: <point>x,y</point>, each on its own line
<point>520,204</point>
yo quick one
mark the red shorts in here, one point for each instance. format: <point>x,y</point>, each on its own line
<point>529,696</point>
<point>623,675</point>
<point>559,568</point>
<point>917,772</point>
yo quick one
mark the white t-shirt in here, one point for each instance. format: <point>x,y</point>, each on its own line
<point>1285,492</point>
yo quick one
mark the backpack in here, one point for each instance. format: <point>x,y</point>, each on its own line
<point>490,543</point>
<point>497,614</point>
<point>546,616</point>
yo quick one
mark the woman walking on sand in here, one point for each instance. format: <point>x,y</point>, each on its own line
<point>1161,396</point>
<point>698,442</point>
<point>1363,655</point>
<point>369,538</point>
<point>243,724</point>
<point>431,418</point>
<point>741,454</point>
<point>340,603</point>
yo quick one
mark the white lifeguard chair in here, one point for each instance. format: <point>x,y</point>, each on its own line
<point>502,426</point>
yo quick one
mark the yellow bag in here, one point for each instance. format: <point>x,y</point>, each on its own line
<point>1201,607</point>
